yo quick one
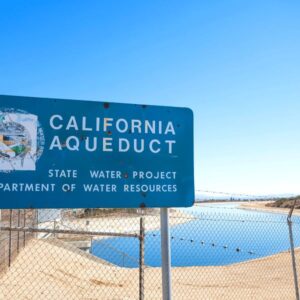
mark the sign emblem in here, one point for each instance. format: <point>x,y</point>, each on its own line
<point>18,140</point>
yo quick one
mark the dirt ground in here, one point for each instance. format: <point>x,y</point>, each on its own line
<point>52,269</point>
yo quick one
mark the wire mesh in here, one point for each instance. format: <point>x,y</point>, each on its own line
<point>219,251</point>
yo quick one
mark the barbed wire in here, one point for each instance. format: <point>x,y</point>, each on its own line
<point>240,194</point>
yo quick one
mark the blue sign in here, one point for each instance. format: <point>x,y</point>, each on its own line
<point>83,154</point>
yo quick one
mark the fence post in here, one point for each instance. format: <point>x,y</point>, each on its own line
<point>18,240</point>
<point>142,258</point>
<point>9,245</point>
<point>54,228</point>
<point>91,248</point>
<point>24,236</point>
<point>290,224</point>
<point>36,221</point>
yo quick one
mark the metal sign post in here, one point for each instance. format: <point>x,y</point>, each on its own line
<point>165,253</point>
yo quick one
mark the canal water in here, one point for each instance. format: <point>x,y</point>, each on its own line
<point>217,234</point>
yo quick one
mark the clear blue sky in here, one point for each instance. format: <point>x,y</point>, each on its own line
<point>235,63</point>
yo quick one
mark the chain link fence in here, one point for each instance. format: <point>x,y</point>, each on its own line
<point>219,251</point>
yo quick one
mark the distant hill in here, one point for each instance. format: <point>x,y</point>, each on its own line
<point>215,196</point>
<point>286,202</point>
